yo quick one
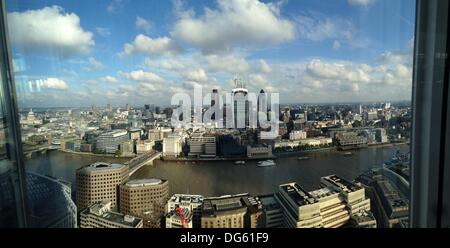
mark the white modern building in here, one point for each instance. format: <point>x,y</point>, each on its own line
<point>172,146</point>
<point>297,135</point>
<point>191,202</point>
<point>329,207</point>
<point>100,215</point>
<point>175,220</point>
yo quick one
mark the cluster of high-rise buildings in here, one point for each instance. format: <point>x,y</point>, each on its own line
<point>106,197</point>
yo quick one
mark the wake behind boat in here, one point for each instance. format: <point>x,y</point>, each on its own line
<point>266,163</point>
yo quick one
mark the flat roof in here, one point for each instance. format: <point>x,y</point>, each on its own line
<point>269,202</point>
<point>299,195</point>
<point>144,182</point>
<point>186,198</point>
<point>323,192</point>
<point>223,203</point>
<point>111,216</point>
<point>101,166</point>
<point>341,183</point>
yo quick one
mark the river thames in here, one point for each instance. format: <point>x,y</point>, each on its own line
<point>223,177</point>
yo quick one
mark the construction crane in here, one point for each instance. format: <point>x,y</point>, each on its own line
<point>182,217</point>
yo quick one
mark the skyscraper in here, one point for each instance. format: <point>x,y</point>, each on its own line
<point>262,105</point>
<point>214,99</point>
<point>241,105</point>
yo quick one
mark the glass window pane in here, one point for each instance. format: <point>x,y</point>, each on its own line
<point>301,101</point>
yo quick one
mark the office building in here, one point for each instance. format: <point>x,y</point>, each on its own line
<point>110,142</point>
<point>260,150</point>
<point>232,211</point>
<point>172,146</point>
<point>175,220</point>
<point>145,198</point>
<point>371,115</point>
<point>297,135</point>
<point>365,220</point>
<point>127,148</point>
<point>385,191</point>
<point>273,214</point>
<point>144,146</point>
<point>254,218</point>
<point>214,100</point>
<point>350,140</point>
<point>202,145</point>
<point>331,206</point>
<point>191,202</point>
<point>100,215</point>
<point>352,194</point>
<point>99,182</point>
<point>50,202</point>
<point>134,134</point>
<point>241,109</point>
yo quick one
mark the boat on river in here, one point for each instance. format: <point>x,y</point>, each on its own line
<point>266,163</point>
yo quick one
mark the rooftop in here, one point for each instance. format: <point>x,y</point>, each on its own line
<point>186,198</point>
<point>102,166</point>
<point>297,194</point>
<point>103,210</point>
<point>341,183</point>
<point>225,203</point>
<point>269,202</point>
<point>144,182</point>
<point>323,192</point>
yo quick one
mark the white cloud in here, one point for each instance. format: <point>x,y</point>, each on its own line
<point>109,79</point>
<point>54,83</point>
<point>143,24</point>
<point>103,31</point>
<point>317,27</point>
<point>234,22</point>
<point>264,67</point>
<point>226,63</point>
<point>114,6</point>
<point>196,76</point>
<point>396,57</point>
<point>344,70</point>
<point>49,29</point>
<point>94,65</point>
<point>143,44</point>
<point>166,64</point>
<point>363,3</point>
<point>143,76</point>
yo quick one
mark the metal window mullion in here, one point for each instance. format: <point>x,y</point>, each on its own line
<point>14,145</point>
<point>429,80</point>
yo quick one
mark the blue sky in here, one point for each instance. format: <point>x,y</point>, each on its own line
<point>120,51</point>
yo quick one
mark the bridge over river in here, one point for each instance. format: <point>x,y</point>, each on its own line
<point>141,160</point>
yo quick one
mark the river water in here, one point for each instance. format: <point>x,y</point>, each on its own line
<point>222,177</point>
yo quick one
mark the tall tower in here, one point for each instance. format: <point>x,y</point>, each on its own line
<point>262,105</point>
<point>214,98</point>
<point>241,104</point>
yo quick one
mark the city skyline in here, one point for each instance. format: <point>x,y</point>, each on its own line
<point>138,54</point>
